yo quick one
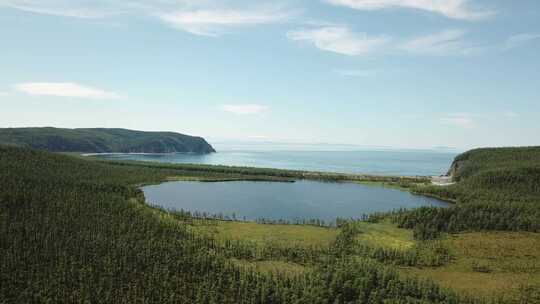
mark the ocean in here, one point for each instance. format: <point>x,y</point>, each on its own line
<point>376,161</point>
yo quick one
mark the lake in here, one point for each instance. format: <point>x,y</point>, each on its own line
<point>275,200</point>
<point>383,162</point>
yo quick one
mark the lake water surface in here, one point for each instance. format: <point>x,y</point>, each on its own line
<point>383,162</point>
<point>275,200</point>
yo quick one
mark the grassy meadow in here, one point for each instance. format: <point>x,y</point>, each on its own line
<point>496,264</point>
<point>261,234</point>
<point>385,234</point>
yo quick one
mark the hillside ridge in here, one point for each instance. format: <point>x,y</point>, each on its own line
<point>475,161</point>
<point>103,140</point>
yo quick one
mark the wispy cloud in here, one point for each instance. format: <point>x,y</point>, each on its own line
<point>462,120</point>
<point>215,22</point>
<point>2,93</point>
<point>244,109</point>
<point>339,39</point>
<point>64,89</point>
<point>519,40</point>
<point>455,9</point>
<point>62,8</point>
<point>448,42</point>
<point>199,17</point>
<point>342,40</point>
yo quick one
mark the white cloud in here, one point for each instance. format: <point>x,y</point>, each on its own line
<point>339,39</point>
<point>355,73</point>
<point>62,8</point>
<point>455,9</point>
<point>520,40</point>
<point>214,22</point>
<point>244,109</point>
<point>3,93</point>
<point>200,17</point>
<point>64,89</point>
<point>449,42</point>
<point>462,120</point>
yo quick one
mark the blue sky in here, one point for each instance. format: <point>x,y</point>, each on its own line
<point>400,73</point>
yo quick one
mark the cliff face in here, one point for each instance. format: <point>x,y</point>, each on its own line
<point>465,164</point>
<point>455,169</point>
<point>103,140</point>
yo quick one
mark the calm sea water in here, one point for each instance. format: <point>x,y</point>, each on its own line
<point>392,162</point>
<point>274,200</point>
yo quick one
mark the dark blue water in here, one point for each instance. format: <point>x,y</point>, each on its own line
<point>272,200</point>
<point>405,163</point>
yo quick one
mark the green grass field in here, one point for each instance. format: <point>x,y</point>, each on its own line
<point>488,263</point>
<point>284,235</point>
<point>384,234</point>
<point>268,236</point>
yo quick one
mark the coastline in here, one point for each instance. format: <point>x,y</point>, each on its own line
<point>374,163</point>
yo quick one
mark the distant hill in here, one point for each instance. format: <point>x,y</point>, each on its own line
<point>100,140</point>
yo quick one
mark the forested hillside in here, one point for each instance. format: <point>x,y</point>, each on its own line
<point>496,189</point>
<point>475,162</point>
<point>103,140</point>
<point>77,231</point>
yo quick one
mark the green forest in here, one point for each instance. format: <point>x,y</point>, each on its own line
<point>497,189</point>
<point>78,230</point>
<point>102,140</point>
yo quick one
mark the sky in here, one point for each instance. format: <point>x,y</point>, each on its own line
<point>393,73</point>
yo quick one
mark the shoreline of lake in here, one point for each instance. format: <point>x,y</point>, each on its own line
<point>301,200</point>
